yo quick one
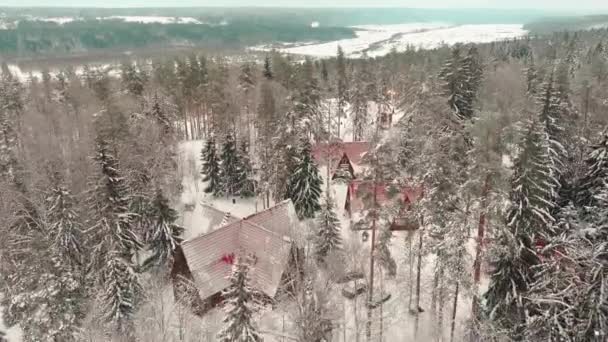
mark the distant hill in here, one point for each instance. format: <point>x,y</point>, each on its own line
<point>572,23</point>
<point>57,31</point>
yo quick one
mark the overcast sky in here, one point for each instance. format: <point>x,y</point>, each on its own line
<point>513,4</point>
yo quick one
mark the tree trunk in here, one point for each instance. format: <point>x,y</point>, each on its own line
<point>454,309</point>
<point>418,276</point>
<point>481,228</point>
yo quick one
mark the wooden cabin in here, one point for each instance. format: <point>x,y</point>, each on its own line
<point>344,158</point>
<point>202,266</point>
<point>360,197</point>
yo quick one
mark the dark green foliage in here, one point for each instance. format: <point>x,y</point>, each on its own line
<point>304,185</point>
<point>230,172</point>
<point>46,37</point>
<point>162,234</point>
<point>596,176</point>
<point>528,220</point>
<point>247,185</point>
<point>211,168</point>
<point>329,238</point>
<point>462,77</point>
<point>240,302</point>
<point>267,68</point>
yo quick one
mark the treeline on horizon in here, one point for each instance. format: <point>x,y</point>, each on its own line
<point>37,37</point>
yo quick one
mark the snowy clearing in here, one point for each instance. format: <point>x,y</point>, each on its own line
<point>57,20</point>
<point>379,40</point>
<point>153,19</point>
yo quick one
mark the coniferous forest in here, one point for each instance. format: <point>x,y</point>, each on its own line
<point>507,142</point>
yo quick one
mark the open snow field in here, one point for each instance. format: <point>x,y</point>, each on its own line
<point>379,40</point>
<point>153,19</point>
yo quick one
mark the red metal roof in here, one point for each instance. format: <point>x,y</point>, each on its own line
<point>354,151</point>
<point>209,256</point>
<point>361,192</point>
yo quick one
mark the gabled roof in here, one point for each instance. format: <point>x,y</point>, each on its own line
<point>361,193</point>
<point>280,219</point>
<point>216,217</point>
<point>209,257</point>
<point>353,150</point>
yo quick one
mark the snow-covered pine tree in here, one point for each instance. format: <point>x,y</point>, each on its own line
<point>527,221</point>
<point>11,107</point>
<point>304,185</point>
<point>113,240</point>
<point>247,77</point>
<point>454,88</point>
<point>306,101</point>
<point>159,115</point>
<point>596,176</point>
<point>550,116</point>
<point>558,289</point>
<point>267,73</point>
<point>532,81</point>
<point>473,68</point>
<point>162,234</point>
<point>230,166</point>
<point>211,168</point>
<point>359,100</point>
<point>265,124</point>
<point>240,305</point>
<point>282,157</point>
<point>121,292</point>
<point>65,229</point>
<point>329,238</point>
<point>134,80</point>
<point>246,186</point>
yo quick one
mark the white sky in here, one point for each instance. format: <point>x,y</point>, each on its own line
<point>510,4</point>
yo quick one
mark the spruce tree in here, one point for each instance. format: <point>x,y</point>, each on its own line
<point>307,102</point>
<point>304,185</point>
<point>532,82</point>
<point>230,166</point>
<point>211,168</point>
<point>596,176</point>
<point>267,68</point>
<point>114,241</point>
<point>329,238</point>
<point>159,115</point>
<point>462,77</point>
<point>65,229</point>
<point>121,292</point>
<point>246,186</point>
<point>551,118</point>
<point>528,220</point>
<point>162,234</point>
<point>240,303</point>
<point>454,82</point>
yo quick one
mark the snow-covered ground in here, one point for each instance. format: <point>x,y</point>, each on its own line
<point>379,40</point>
<point>57,20</point>
<point>153,19</point>
<point>13,334</point>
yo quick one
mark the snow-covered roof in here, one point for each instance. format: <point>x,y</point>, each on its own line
<point>216,217</point>
<point>264,236</point>
<point>280,219</point>
<point>353,150</point>
<point>360,193</point>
